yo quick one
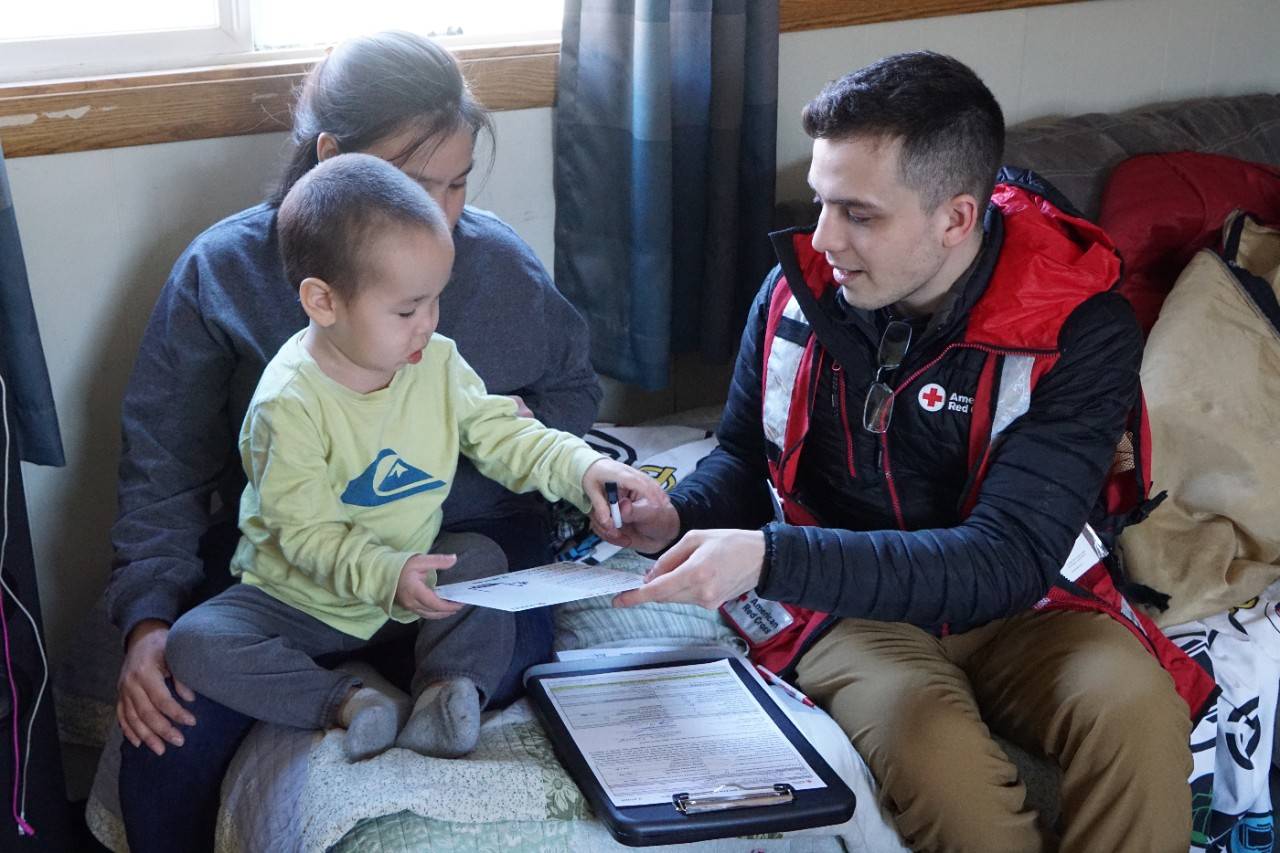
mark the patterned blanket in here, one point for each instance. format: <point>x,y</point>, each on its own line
<point>1232,745</point>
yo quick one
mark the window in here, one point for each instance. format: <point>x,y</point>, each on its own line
<point>300,23</point>
<point>39,20</point>
<point>80,38</point>
<point>65,38</point>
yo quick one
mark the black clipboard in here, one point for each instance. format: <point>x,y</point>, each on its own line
<point>689,817</point>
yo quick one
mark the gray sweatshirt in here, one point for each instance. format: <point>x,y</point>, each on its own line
<point>225,311</point>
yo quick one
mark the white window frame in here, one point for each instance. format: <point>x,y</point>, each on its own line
<point>86,56</point>
<point>231,42</point>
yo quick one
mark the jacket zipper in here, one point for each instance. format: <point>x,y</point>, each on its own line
<point>842,411</point>
<point>888,480</point>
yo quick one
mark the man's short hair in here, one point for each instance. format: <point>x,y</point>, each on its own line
<point>950,126</point>
<point>332,212</point>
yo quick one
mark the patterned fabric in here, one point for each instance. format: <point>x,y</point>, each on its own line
<point>1232,745</point>
<point>664,171</point>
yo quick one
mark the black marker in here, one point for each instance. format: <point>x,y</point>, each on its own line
<point>611,494</point>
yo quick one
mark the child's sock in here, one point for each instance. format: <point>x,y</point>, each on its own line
<point>372,719</point>
<point>446,720</point>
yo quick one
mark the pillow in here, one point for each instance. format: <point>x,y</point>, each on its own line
<point>1160,209</point>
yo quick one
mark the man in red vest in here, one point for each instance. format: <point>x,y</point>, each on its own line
<point>923,417</point>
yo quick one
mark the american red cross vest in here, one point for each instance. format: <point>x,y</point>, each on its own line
<point>1016,323</point>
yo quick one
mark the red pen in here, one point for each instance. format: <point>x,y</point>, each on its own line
<point>786,688</point>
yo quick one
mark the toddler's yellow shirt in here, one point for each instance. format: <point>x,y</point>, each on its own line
<point>345,487</point>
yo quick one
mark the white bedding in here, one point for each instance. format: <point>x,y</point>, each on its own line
<point>292,790</point>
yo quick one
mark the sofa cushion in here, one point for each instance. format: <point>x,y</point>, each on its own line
<point>1077,154</point>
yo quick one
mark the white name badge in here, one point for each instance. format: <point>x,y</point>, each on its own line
<point>758,619</point>
<point>1085,554</point>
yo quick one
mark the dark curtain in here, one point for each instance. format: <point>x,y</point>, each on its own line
<point>665,127</point>
<point>28,431</point>
<point>21,356</point>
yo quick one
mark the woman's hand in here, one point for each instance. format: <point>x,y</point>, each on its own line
<point>415,594</point>
<point>145,708</point>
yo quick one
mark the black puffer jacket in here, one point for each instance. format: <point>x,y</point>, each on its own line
<point>944,568</point>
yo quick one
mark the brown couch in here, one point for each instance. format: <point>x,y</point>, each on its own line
<point>1077,153</point>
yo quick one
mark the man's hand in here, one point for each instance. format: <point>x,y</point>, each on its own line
<point>706,568</point>
<point>415,594</point>
<point>646,526</point>
<point>145,708</point>
<point>633,487</point>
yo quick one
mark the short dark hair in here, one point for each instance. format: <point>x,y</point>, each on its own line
<point>331,213</point>
<point>951,128</point>
<point>372,87</point>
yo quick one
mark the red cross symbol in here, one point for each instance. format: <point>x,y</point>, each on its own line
<point>932,396</point>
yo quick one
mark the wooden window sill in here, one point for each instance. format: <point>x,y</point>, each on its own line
<point>200,103</point>
<point>795,15</point>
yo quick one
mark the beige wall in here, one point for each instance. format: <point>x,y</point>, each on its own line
<point>1097,56</point>
<point>100,229</point>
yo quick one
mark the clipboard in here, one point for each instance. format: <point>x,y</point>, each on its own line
<point>691,815</point>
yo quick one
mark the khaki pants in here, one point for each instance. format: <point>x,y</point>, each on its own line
<point>1074,686</point>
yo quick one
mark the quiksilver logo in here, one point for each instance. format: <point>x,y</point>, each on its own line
<point>388,478</point>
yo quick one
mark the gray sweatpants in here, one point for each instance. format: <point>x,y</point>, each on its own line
<point>255,654</point>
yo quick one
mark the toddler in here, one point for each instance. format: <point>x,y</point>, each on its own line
<point>350,443</point>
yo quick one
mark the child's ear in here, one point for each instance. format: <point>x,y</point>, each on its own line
<point>318,300</point>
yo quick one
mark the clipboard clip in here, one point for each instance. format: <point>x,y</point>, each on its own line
<point>721,798</point>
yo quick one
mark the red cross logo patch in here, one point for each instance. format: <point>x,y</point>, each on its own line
<point>931,397</point>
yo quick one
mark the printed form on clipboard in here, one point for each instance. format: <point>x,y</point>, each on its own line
<point>646,733</point>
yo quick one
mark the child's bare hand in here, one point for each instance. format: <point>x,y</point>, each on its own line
<point>633,486</point>
<point>522,408</point>
<point>414,593</point>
